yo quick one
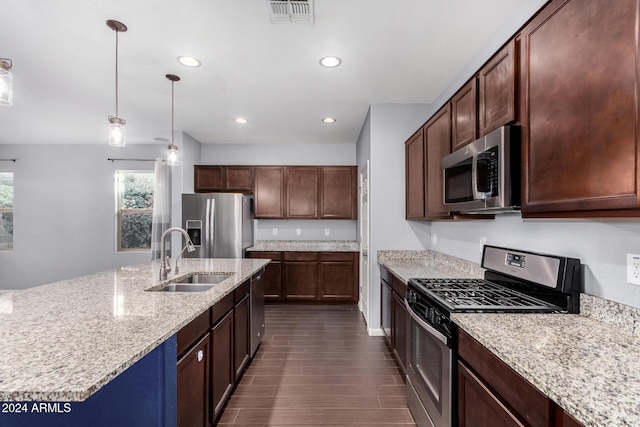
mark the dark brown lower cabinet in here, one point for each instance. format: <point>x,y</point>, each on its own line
<point>241,319</point>
<point>386,310</point>
<point>311,276</point>
<point>193,385</point>
<point>478,406</point>
<point>400,319</point>
<point>222,372</point>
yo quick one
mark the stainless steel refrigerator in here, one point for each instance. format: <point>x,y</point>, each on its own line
<point>220,225</point>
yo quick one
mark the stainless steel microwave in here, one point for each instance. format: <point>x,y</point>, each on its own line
<point>484,176</point>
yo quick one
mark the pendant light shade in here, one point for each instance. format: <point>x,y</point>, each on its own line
<point>116,124</point>
<point>172,150</point>
<point>6,82</point>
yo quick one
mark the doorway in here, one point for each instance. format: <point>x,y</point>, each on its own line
<point>364,241</point>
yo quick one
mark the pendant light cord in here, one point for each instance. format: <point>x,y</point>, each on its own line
<point>172,82</point>
<point>117,73</point>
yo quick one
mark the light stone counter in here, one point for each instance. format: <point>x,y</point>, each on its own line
<point>589,368</point>
<point>65,340</point>
<point>427,264</point>
<point>305,246</point>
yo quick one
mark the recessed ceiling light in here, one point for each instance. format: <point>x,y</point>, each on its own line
<point>189,61</point>
<point>240,120</point>
<point>330,61</point>
<point>328,120</point>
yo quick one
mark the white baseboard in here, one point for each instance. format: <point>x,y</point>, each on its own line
<point>375,332</point>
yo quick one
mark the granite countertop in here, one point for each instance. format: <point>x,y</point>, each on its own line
<point>65,340</point>
<point>305,246</point>
<point>589,368</point>
<point>587,363</point>
<point>427,264</point>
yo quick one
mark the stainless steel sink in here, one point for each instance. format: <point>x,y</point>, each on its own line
<point>198,282</point>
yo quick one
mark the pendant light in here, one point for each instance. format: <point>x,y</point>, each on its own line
<point>116,124</point>
<point>6,82</point>
<point>172,151</point>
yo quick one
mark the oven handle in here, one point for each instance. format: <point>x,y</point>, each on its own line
<point>437,334</point>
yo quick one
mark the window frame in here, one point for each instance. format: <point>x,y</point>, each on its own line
<point>120,212</point>
<point>11,209</point>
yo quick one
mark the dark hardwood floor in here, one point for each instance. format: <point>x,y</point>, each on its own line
<point>317,366</point>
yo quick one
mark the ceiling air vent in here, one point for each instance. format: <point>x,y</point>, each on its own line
<point>294,11</point>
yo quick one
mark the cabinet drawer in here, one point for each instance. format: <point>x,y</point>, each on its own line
<point>337,256</point>
<point>399,287</point>
<point>221,308</point>
<point>242,291</point>
<point>194,330</point>
<point>386,275</point>
<point>275,256</point>
<point>526,400</point>
<point>300,256</point>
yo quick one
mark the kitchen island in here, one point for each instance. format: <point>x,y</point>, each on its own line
<point>587,363</point>
<point>65,341</point>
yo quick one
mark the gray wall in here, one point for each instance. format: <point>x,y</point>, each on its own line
<point>381,142</point>
<point>288,154</point>
<point>64,213</point>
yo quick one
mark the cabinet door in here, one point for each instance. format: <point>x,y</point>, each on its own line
<point>478,406</point>
<point>257,310</point>
<point>300,276</point>
<point>338,192</point>
<point>565,420</point>
<point>338,277</point>
<point>268,192</point>
<point>400,319</point>
<point>464,118</point>
<point>415,158</point>
<point>241,319</point>
<point>302,192</point>
<point>581,111</point>
<point>193,386</point>
<point>239,178</point>
<point>497,90</point>
<point>222,371</point>
<point>208,178</point>
<point>438,144</point>
<point>272,275</point>
<point>386,313</point>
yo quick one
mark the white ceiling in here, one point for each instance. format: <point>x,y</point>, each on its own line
<point>392,51</point>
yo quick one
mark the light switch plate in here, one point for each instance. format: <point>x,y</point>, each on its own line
<point>298,231</point>
<point>633,269</point>
<point>434,239</point>
<point>327,231</point>
<point>274,231</point>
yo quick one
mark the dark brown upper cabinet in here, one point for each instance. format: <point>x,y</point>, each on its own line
<point>268,192</point>
<point>209,178</point>
<point>464,117</point>
<point>437,137</point>
<point>497,90</point>
<point>302,192</point>
<point>581,124</point>
<point>338,192</point>
<point>415,175</point>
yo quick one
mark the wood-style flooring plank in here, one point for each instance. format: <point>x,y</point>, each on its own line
<point>317,366</point>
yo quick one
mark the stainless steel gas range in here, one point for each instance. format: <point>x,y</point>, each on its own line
<point>515,281</point>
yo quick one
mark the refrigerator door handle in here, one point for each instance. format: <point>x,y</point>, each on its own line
<point>207,214</point>
<point>212,237</point>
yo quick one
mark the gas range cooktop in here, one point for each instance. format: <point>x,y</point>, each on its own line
<point>514,281</point>
<point>480,295</point>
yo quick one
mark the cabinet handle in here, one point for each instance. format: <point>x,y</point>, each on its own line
<point>259,277</point>
<point>200,355</point>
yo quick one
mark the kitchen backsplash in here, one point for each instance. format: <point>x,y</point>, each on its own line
<point>305,229</point>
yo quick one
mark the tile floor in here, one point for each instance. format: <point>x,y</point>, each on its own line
<point>317,366</point>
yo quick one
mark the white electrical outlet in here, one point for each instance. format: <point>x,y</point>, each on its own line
<point>633,269</point>
<point>327,231</point>
<point>483,241</point>
<point>434,239</point>
<point>298,231</point>
<point>274,231</point>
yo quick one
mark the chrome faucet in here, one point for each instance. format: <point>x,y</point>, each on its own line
<point>165,267</point>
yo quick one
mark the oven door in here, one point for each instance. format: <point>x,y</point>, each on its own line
<point>429,373</point>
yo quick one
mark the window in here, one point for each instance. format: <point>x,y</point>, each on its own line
<point>135,210</point>
<point>6,211</point>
